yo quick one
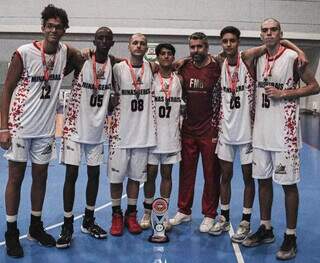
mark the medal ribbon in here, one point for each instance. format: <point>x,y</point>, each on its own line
<point>46,70</point>
<point>167,92</point>
<point>233,80</point>
<point>270,60</point>
<point>136,85</point>
<point>94,70</point>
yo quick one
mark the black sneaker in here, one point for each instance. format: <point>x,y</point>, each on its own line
<point>65,237</point>
<point>90,227</point>
<point>14,248</point>
<point>288,249</point>
<point>262,236</point>
<point>36,232</point>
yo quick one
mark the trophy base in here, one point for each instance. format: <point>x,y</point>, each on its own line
<point>158,239</point>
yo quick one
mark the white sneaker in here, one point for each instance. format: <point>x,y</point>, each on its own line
<point>206,224</point>
<point>221,225</point>
<point>145,222</point>
<point>179,218</point>
<point>242,232</point>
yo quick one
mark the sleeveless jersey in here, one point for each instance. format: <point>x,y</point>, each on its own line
<point>87,109</point>
<point>168,115</point>
<point>133,123</point>
<point>276,126</point>
<point>236,111</point>
<point>202,96</point>
<point>33,105</point>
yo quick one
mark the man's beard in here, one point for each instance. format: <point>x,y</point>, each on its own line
<point>198,58</point>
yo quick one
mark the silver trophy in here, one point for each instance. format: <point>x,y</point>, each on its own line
<point>158,216</point>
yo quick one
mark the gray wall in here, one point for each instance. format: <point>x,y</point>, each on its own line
<point>164,20</point>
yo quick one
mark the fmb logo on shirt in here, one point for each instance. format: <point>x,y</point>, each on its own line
<point>196,84</point>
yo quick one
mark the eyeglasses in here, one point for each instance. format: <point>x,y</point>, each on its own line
<point>272,29</point>
<point>51,26</point>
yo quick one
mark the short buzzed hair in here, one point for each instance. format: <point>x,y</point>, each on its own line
<point>198,35</point>
<point>273,19</point>
<point>137,34</point>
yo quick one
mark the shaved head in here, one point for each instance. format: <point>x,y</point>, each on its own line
<point>104,29</point>
<point>272,19</point>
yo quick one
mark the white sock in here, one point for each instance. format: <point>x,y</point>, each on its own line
<point>36,213</point>
<point>91,208</point>
<point>225,207</point>
<point>68,214</point>
<point>247,210</point>
<point>11,219</point>
<point>116,202</point>
<point>267,223</point>
<point>149,200</point>
<point>132,201</point>
<point>291,231</point>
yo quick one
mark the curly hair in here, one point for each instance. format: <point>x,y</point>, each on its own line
<point>50,11</point>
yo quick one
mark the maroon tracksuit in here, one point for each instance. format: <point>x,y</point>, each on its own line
<point>199,131</point>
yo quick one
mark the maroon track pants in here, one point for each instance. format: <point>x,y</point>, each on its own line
<point>191,148</point>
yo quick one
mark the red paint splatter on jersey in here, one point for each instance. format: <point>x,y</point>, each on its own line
<point>73,108</point>
<point>291,133</point>
<point>17,106</point>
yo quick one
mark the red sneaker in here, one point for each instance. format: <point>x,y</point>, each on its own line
<point>130,221</point>
<point>117,226</point>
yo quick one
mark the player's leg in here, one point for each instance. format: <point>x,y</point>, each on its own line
<point>165,187</point>
<point>70,155</point>
<point>12,200</point>
<point>149,190</point>
<point>94,158</point>
<point>137,174</point>
<point>263,169</point>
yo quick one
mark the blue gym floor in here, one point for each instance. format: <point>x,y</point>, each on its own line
<point>186,244</point>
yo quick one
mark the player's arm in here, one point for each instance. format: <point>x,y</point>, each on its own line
<point>12,78</point>
<point>311,88</point>
<point>250,55</point>
<point>115,91</point>
<point>302,58</point>
<point>179,63</point>
<point>75,61</point>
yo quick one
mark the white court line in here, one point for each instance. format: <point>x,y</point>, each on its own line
<point>76,218</point>
<point>236,247</point>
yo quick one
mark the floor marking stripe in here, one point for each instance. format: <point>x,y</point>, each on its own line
<point>236,247</point>
<point>76,218</point>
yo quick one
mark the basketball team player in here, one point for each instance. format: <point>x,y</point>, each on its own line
<point>169,108</point>
<point>85,132</point>
<point>276,133</point>
<point>29,102</point>
<point>132,133</point>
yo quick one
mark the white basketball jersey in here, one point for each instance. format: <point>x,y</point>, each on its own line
<point>133,123</point>
<point>276,126</point>
<point>33,105</point>
<point>87,109</point>
<point>236,116</point>
<point>168,115</point>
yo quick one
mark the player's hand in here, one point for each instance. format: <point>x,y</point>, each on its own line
<point>273,93</point>
<point>114,100</point>
<point>5,139</point>
<point>86,53</point>
<point>178,64</point>
<point>302,61</point>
